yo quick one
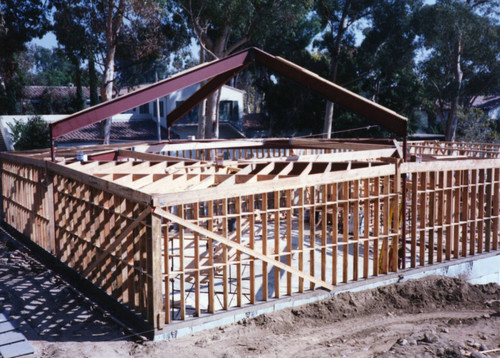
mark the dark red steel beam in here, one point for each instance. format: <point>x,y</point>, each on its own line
<point>134,99</point>
<point>371,110</point>
<point>202,93</point>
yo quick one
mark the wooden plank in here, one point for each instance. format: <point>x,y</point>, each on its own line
<point>240,247</point>
<point>361,155</point>
<point>301,236</point>
<point>386,217</point>
<point>449,214</point>
<point>456,216</point>
<point>225,268</point>
<point>289,214</point>
<point>432,217</point>
<point>166,270</point>
<point>496,210</point>
<point>182,277</point>
<point>376,226</point>
<point>137,221</point>
<point>366,228</point>
<point>473,211</point>
<point>324,222</point>
<point>196,243</point>
<point>264,247</point>
<point>211,274</point>
<point>99,183</point>
<point>440,215</point>
<point>423,216</point>
<point>412,167</point>
<point>312,233</point>
<point>263,187</point>
<point>335,231</point>
<point>277,250</point>
<point>414,222</point>
<point>465,211</point>
<point>156,315</point>
<point>355,230</point>
<point>481,209</point>
<point>251,233</point>
<point>345,233</point>
<point>239,276</point>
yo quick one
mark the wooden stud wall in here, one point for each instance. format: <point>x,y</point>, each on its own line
<point>310,229</point>
<point>193,258</point>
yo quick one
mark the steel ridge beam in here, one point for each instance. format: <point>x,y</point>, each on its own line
<point>356,103</point>
<point>221,71</point>
<point>203,92</point>
<point>134,99</point>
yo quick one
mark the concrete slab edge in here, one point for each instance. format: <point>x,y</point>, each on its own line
<point>479,269</point>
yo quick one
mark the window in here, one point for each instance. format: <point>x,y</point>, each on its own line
<point>191,117</point>
<point>228,111</point>
<point>144,109</point>
<point>161,109</point>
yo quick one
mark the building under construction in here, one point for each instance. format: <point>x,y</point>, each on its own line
<point>180,231</point>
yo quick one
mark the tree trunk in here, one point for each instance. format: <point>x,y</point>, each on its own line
<point>202,109</point>
<point>114,24</point>
<point>452,117</point>
<point>334,65</point>
<point>94,98</point>
<point>210,115</point>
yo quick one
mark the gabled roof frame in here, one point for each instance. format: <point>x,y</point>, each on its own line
<point>219,72</point>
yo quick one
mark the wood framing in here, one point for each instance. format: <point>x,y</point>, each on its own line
<point>181,230</point>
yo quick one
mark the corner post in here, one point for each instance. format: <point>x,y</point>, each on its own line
<point>156,315</point>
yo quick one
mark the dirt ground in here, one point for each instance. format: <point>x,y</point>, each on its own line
<point>432,317</point>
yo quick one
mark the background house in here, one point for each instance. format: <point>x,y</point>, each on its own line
<point>135,124</point>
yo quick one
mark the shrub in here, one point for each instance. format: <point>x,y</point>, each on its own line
<point>32,134</point>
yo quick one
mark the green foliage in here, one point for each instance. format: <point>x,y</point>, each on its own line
<point>23,20</point>
<point>32,134</point>
<point>462,47</point>
<point>475,126</point>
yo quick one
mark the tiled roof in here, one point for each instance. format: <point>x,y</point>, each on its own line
<point>226,130</point>
<point>487,102</point>
<point>120,131</point>
<point>34,92</point>
<point>255,121</point>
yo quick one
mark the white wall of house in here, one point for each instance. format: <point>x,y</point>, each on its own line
<point>170,102</point>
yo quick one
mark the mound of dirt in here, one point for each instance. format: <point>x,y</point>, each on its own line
<point>431,317</point>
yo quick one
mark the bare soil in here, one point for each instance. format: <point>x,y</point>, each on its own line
<point>432,317</point>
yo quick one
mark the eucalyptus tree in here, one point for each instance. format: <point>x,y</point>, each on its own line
<point>100,27</point>
<point>22,21</point>
<point>223,27</point>
<point>462,45</point>
<point>339,18</point>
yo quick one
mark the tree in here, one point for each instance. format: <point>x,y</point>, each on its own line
<point>222,27</point>
<point>32,134</point>
<point>23,20</point>
<point>339,17</point>
<point>102,28</point>
<point>462,62</point>
<point>385,58</point>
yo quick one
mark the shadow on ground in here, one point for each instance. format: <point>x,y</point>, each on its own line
<point>44,306</point>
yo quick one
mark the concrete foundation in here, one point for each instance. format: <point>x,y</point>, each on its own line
<point>480,269</point>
